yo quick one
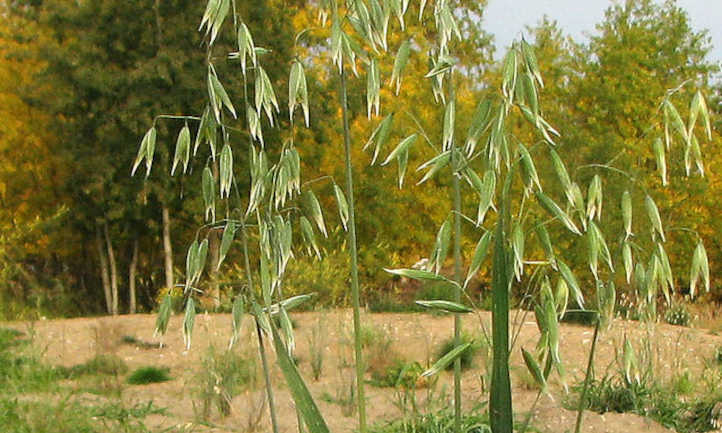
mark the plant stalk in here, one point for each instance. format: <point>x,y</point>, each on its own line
<point>457,270</point>
<point>261,349</point>
<point>500,408</point>
<point>587,378</point>
<point>354,259</point>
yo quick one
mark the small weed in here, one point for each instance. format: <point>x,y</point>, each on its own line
<point>100,364</point>
<point>678,314</point>
<point>683,383</point>
<point>317,346</point>
<point>222,376</point>
<point>149,374</point>
<point>132,341</point>
<point>718,355</point>
<point>474,421</point>
<point>400,374</point>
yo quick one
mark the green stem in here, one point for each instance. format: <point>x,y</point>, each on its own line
<point>531,413</point>
<point>587,378</point>
<point>261,349</point>
<point>500,408</point>
<point>354,260</point>
<point>457,271</point>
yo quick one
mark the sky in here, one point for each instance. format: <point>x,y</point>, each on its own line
<point>505,19</point>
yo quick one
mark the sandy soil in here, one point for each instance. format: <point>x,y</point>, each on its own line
<point>414,336</point>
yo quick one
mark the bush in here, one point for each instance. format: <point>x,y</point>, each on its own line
<point>149,374</point>
<point>400,374</point>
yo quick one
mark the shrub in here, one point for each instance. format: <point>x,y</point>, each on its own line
<point>149,374</point>
<point>100,364</point>
<point>400,374</point>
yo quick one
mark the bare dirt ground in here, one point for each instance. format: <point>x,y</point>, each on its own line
<point>414,336</point>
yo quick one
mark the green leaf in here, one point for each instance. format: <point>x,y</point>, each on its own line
<point>164,312</point>
<point>379,136</point>
<point>190,263</point>
<point>480,122</point>
<point>700,267</point>
<point>402,58</point>
<point>571,281</point>
<point>449,121</point>
<point>446,360</point>
<point>557,212</point>
<point>209,193</point>
<point>342,205</point>
<point>297,91</point>
<point>245,47</point>
<point>561,297</point>
<point>561,170</point>
<point>308,236</point>
<point>546,243</point>
<point>226,240</point>
<point>401,154</point>
<point>630,362</point>
<point>441,247</point>
<point>627,214</point>
<point>146,151</point>
<point>517,246</point>
<point>528,171</point>
<point>628,263</point>
<point>314,209</point>
<point>301,396</point>
<point>373,89</point>
<point>451,307</point>
<point>594,198</point>
<point>534,369</point>
<point>486,196</point>
<point>182,149</point>
<point>480,253</point>
<point>654,217</point>
<point>226,171</point>
<point>188,322</point>
<point>237,311</point>
<point>531,62</point>
<point>440,161</point>
<point>218,95</point>
<point>658,149</point>
<point>417,274</point>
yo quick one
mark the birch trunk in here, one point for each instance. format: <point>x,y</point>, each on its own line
<point>103,269</point>
<point>131,276</point>
<point>167,248</point>
<point>113,271</point>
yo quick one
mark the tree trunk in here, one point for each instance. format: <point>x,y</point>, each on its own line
<point>113,271</point>
<point>131,276</point>
<point>167,248</point>
<point>103,269</point>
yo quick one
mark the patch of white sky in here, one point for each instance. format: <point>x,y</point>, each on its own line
<point>507,19</point>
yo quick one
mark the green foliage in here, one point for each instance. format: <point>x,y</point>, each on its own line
<point>221,376</point>
<point>436,422</point>
<point>648,398</point>
<point>718,355</point>
<point>106,364</point>
<point>69,415</point>
<point>467,357</point>
<point>678,314</point>
<point>149,374</point>
<point>399,374</point>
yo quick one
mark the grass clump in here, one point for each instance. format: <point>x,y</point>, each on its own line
<point>221,377</point>
<point>149,374</point>
<point>105,364</point>
<point>684,415</point>
<point>678,314</point>
<point>436,422</point>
